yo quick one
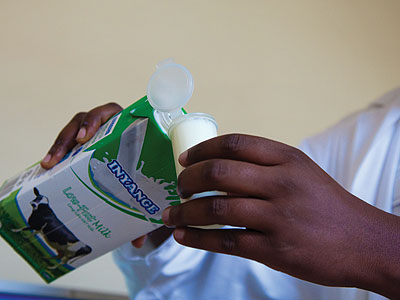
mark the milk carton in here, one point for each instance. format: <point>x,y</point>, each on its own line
<point>104,193</point>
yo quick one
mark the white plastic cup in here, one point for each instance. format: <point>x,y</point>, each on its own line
<point>186,132</point>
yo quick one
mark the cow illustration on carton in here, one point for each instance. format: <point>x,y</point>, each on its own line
<point>43,221</point>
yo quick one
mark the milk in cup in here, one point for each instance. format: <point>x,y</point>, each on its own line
<point>189,130</point>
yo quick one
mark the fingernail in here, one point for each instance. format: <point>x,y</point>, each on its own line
<point>165,216</point>
<point>47,158</point>
<point>81,133</point>
<point>179,234</point>
<point>182,158</point>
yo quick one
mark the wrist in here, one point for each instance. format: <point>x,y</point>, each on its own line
<point>378,266</point>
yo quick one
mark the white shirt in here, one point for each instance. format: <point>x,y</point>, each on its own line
<point>396,193</point>
<point>361,153</point>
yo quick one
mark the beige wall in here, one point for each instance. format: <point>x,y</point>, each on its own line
<point>281,69</point>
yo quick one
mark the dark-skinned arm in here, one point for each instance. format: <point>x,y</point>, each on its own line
<point>297,219</point>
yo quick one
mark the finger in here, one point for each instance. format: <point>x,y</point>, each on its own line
<point>241,147</point>
<point>242,212</point>
<point>64,142</point>
<point>241,242</point>
<point>229,176</point>
<point>94,119</point>
<point>139,242</point>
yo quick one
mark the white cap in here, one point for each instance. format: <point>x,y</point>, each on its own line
<point>170,87</point>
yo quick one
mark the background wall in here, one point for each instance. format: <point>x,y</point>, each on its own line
<point>280,69</point>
